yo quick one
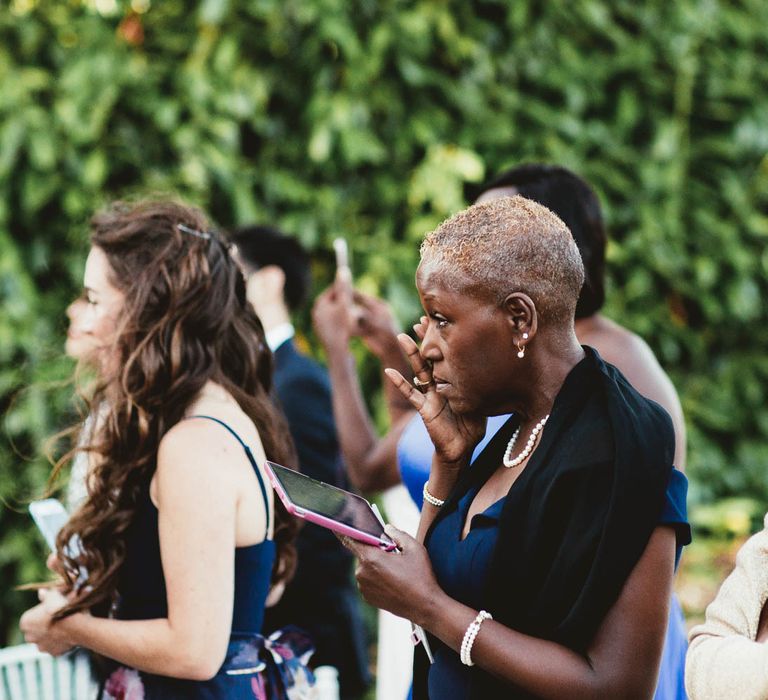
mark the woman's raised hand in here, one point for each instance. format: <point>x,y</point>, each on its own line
<point>333,317</point>
<point>453,435</point>
<point>376,325</point>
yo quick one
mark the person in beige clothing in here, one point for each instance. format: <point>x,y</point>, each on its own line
<point>728,656</point>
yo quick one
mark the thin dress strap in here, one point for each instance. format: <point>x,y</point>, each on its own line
<point>251,459</point>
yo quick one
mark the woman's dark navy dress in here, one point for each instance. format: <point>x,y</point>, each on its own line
<point>461,567</point>
<point>143,596</point>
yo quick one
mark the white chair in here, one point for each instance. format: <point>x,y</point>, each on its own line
<point>28,674</point>
<point>327,683</point>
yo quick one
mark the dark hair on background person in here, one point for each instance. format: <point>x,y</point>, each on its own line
<point>577,204</point>
<point>260,246</point>
<point>185,322</point>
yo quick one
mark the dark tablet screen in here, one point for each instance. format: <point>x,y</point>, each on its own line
<point>326,500</point>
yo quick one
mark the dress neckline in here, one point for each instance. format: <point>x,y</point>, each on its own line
<point>491,512</point>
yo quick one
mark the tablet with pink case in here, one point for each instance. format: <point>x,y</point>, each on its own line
<point>328,506</point>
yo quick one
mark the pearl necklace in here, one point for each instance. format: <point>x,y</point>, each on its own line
<point>509,463</point>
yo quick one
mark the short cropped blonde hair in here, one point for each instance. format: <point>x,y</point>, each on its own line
<point>511,244</point>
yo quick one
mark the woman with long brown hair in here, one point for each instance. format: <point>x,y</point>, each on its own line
<point>179,539</point>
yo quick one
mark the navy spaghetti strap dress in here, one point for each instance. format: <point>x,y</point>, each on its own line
<point>255,667</point>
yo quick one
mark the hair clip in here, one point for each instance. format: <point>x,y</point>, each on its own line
<point>193,232</point>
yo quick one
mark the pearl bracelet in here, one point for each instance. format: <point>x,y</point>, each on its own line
<point>429,498</point>
<point>465,653</point>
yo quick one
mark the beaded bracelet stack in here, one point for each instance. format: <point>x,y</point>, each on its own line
<point>465,653</point>
<point>429,498</point>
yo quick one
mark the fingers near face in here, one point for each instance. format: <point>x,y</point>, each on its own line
<point>416,398</point>
<point>420,330</point>
<point>422,368</point>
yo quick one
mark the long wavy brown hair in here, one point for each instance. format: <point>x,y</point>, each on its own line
<point>185,322</point>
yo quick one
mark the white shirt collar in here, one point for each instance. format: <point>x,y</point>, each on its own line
<point>278,335</point>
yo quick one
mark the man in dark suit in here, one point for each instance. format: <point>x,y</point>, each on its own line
<point>321,598</point>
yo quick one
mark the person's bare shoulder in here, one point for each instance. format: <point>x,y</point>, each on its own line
<point>634,358</point>
<point>198,449</point>
<point>627,351</point>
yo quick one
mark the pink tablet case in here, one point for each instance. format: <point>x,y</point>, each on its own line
<point>322,520</point>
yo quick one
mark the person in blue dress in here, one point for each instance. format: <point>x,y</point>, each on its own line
<point>168,562</point>
<point>545,569</point>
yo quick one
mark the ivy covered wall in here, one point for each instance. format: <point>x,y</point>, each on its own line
<point>373,120</point>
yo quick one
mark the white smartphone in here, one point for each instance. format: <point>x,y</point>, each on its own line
<point>343,269</point>
<point>49,516</point>
<point>341,249</point>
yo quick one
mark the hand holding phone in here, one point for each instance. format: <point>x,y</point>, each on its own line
<point>344,286</point>
<point>49,516</point>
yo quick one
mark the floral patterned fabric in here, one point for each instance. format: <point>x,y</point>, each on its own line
<point>255,668</point>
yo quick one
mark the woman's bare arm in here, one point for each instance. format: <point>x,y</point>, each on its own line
<point>622,661</point>
<point>371,461</point>
<point>377,329</point>
<point>197,524</point>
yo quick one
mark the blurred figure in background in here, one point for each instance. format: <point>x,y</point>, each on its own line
<point>575,203</point>
<point>405,452</point>
<point>321,598</point>
<point>728,652</point>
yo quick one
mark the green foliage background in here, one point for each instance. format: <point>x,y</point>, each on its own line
<point>372,119</point>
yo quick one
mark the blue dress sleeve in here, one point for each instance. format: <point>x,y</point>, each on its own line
<point>675,511</point>
<point>415,450</point>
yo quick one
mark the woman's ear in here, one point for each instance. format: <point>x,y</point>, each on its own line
<point>522,315</point>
